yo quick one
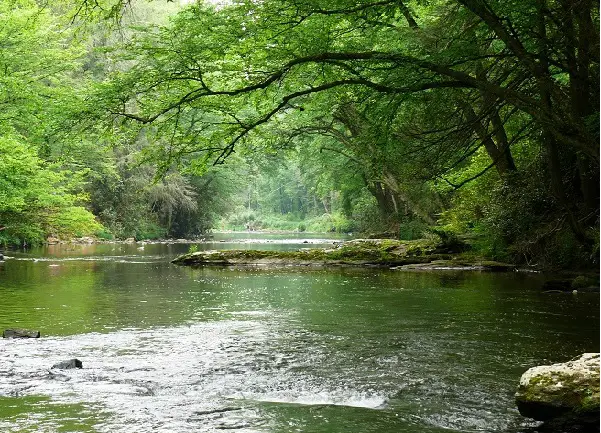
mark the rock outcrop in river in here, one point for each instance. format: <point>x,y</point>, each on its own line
<point>568,390</point>
<point>20,333</point>
<point>359,252</point>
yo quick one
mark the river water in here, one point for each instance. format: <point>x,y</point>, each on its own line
<point>175,349</point>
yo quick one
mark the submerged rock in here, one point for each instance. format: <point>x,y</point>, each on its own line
<point>584,283</point>
<point>565,390</point>
<point>564,285</point>
<point>56,376</point>
<point>20,333</point>
<point>71,363</point>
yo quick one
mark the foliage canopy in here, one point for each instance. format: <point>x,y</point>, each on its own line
<point>480,116</point>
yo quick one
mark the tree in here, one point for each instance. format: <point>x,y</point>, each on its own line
<point>37,200</point>
<point>38,196</point>
<point>421,100</point>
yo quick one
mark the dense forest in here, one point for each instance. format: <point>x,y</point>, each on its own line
<point>470,119</point>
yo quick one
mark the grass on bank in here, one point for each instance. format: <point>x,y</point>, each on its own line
<point>326,223</point>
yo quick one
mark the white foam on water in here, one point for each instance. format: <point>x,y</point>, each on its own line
<point>320,398</point>
<point>145,259</point>
<point>155,380</point>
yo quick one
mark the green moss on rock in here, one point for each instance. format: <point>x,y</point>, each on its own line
<point>358,252</point>
<point>416,254</point>
<point>549,391</point>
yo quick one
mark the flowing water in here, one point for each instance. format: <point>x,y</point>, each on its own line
<point>174,349</point>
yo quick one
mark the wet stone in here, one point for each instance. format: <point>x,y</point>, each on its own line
<point>66,365</point>
<point>20,333</point>
<point>558,390</point>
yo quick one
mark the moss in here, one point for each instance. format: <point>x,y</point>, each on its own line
<point>350,252</point>
<point>382,252</point>
<point>582,281</point>
<point>589,402</point>
<point>580,398</point>
<point>496,266</point>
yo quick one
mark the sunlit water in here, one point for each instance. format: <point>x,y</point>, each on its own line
<point>173,349</point>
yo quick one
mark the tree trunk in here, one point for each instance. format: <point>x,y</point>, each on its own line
<point>500,155</point>
<point>549,140</point>
<point>580,92</point>
<point>385,206</point>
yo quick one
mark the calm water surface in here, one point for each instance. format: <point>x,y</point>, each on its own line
<point>173,349</point>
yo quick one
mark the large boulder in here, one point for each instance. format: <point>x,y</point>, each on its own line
<point>569,389</point>
<point>20,333</point>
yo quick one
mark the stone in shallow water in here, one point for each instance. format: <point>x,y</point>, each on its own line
<point>71,363</point>
<point>559,390</point>
<point>20,333</point>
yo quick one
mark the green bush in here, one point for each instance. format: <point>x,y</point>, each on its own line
<point>149,230</point>
<point>412,230</point>
<point>104,234</point>
<point>330,223</point>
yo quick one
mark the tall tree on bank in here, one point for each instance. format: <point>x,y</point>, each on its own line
<point>39,196</point>
<point>503,75</point>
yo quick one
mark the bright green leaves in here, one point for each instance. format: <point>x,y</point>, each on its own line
<point>37,199</point>
<point>36,62</point>
<point>18,168</point>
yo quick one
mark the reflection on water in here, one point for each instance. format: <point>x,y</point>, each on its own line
<point>173,349</point>
<point>159,250</point>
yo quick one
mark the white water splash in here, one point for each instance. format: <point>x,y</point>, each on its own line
<point>158,379</point>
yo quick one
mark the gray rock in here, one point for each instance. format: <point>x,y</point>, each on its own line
<point>71,363</point>
<point>560,390</point>
<point>20,333</point>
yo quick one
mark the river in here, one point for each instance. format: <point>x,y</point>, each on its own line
<point>175,349</point>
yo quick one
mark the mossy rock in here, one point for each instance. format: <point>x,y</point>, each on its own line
<point>380,252</point>
<point>491,265</point>
<point>550,391</point>
<point>357,252</point>
<point>585,283</point>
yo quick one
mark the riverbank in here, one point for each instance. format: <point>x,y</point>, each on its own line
<point>208,237</point>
